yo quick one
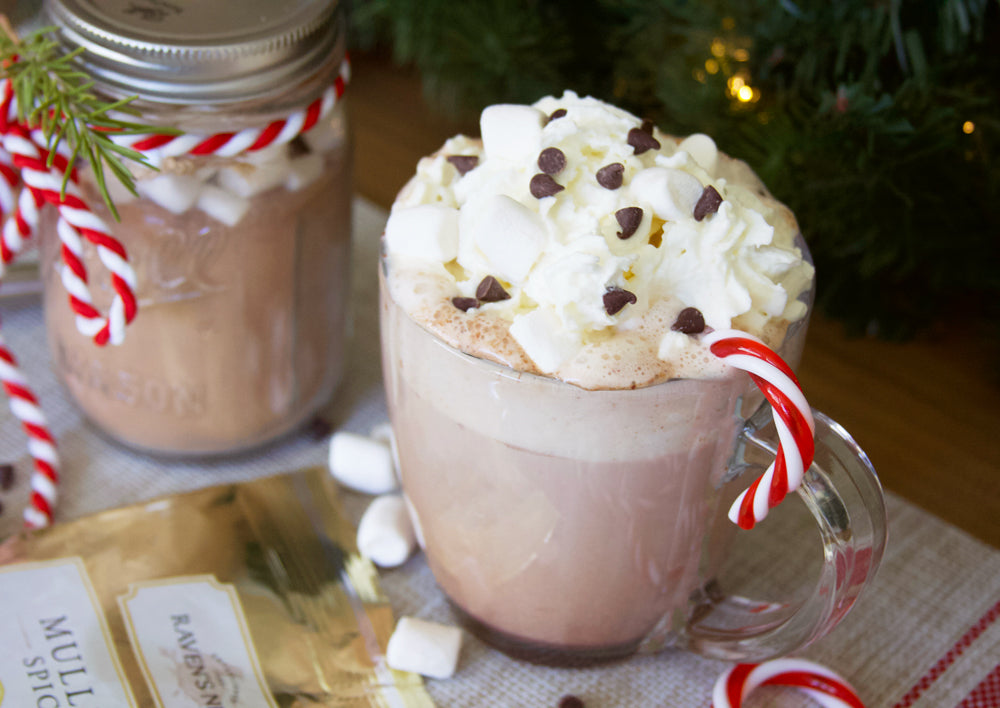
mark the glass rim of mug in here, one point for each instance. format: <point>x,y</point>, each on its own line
<point>808,297</point>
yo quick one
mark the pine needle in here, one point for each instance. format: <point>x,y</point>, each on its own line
<point>55,97</point>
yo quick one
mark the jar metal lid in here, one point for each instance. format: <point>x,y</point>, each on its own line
<point>199,51</point>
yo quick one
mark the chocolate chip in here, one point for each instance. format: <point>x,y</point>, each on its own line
<point>490,290</point>
<point>708,203</point>
<point>465,303</point>
<point>647,127</point>
<point>463,163</point>
<point>544,186</point>
<point>319,428</point>
<point>616,298</point>
<point>689,321</point>
<point>629,219</point>
<point>641,141</point>
<point>556,114</point>
<point>570,701</point>
<point>551,161</point>
<point>610,176</point>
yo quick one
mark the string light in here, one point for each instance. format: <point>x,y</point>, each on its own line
<point>968,127</point>
<point>745,94</point>
<point>711,66</point>
<point>718,48</point>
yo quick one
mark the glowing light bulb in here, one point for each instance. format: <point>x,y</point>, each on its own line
<point>741,55</point>
<point>968,127</point>
<point>718,48</point>
<point>745,94</point>
<point>711,66</point>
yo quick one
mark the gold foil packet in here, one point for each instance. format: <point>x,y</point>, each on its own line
<point>248,595</point>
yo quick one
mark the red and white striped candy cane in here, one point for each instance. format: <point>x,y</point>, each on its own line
<point>823,685</point>
<point>793,420</point>
<point>278,132</point>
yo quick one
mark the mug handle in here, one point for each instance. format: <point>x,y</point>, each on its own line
<point>845,497</point>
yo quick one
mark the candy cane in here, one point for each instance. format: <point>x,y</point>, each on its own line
<point>823,685</point>
<point>793,420</point>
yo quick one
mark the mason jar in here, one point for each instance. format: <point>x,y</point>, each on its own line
<point>240,253</point>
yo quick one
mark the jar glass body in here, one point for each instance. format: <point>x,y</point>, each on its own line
<point>241,267</point>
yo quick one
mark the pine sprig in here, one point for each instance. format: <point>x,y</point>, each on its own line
<point>58,99</point>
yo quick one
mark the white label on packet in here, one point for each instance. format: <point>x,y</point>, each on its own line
<point>191,639</point>
<point>55,647</point>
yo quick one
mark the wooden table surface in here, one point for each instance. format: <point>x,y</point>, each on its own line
<point>927,412</point>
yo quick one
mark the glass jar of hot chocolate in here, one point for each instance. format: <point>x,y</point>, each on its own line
<point>239,240</point>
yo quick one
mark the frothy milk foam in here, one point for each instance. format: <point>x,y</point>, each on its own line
<point>566,463</point>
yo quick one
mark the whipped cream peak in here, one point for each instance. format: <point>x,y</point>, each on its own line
<point>570,199</point>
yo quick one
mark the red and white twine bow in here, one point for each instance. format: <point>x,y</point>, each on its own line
<point>793,420</point>
<point>820,683</point>
<point>28,183</point>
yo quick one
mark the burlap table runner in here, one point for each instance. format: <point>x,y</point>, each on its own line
<point>926,634</point>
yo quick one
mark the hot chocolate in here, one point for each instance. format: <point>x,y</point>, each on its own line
<point>564,436</point>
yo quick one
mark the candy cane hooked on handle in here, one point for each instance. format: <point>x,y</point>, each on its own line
<point>823,685</point>
<point>793,420</point>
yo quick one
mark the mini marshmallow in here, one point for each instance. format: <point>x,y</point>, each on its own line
<point>361,464</point>
<point>544,340</point>
<point>385,533</point>
<point>509,235</point>
<point>303,171</point>
<point>426,648</point>
<point>672,344</point>
<point>222,205</point>
<point>511,132</point>
<point>671,193</point>
<point>175,193</point>
<point>702,149</point>
<point>249,180</point>
<point>322,137</point>
<point>427,232</point>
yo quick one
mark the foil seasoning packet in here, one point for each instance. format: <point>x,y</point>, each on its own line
<point>248,595</point>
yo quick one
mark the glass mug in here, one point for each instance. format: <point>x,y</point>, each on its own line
<point>568,526</point>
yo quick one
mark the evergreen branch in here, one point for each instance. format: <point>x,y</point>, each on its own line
<point>54,96</point>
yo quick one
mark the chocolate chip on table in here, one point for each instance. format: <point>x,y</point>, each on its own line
<point>617,298</point>
<point>610,176</point>
<point>641,141</point>
<point>551,161</point>
<point>6,476</point>
<point>463,163</point>
<point>570,701</point>
<point>556,114</point>
<point>490,290</point>
<point>542,185</point>
<point>689,321</point>
<point>708,203</point>
<point>629,219</point>
<point>465,303</point>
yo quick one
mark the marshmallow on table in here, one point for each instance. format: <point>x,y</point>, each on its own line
<point>428,232</point>
<point>426,648</point>
<point>512,132</point>
<point>175,193</point>
<point>222,205</point>
<point>385,533</point>
<point>361,463</point>
<point>671,193</point>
